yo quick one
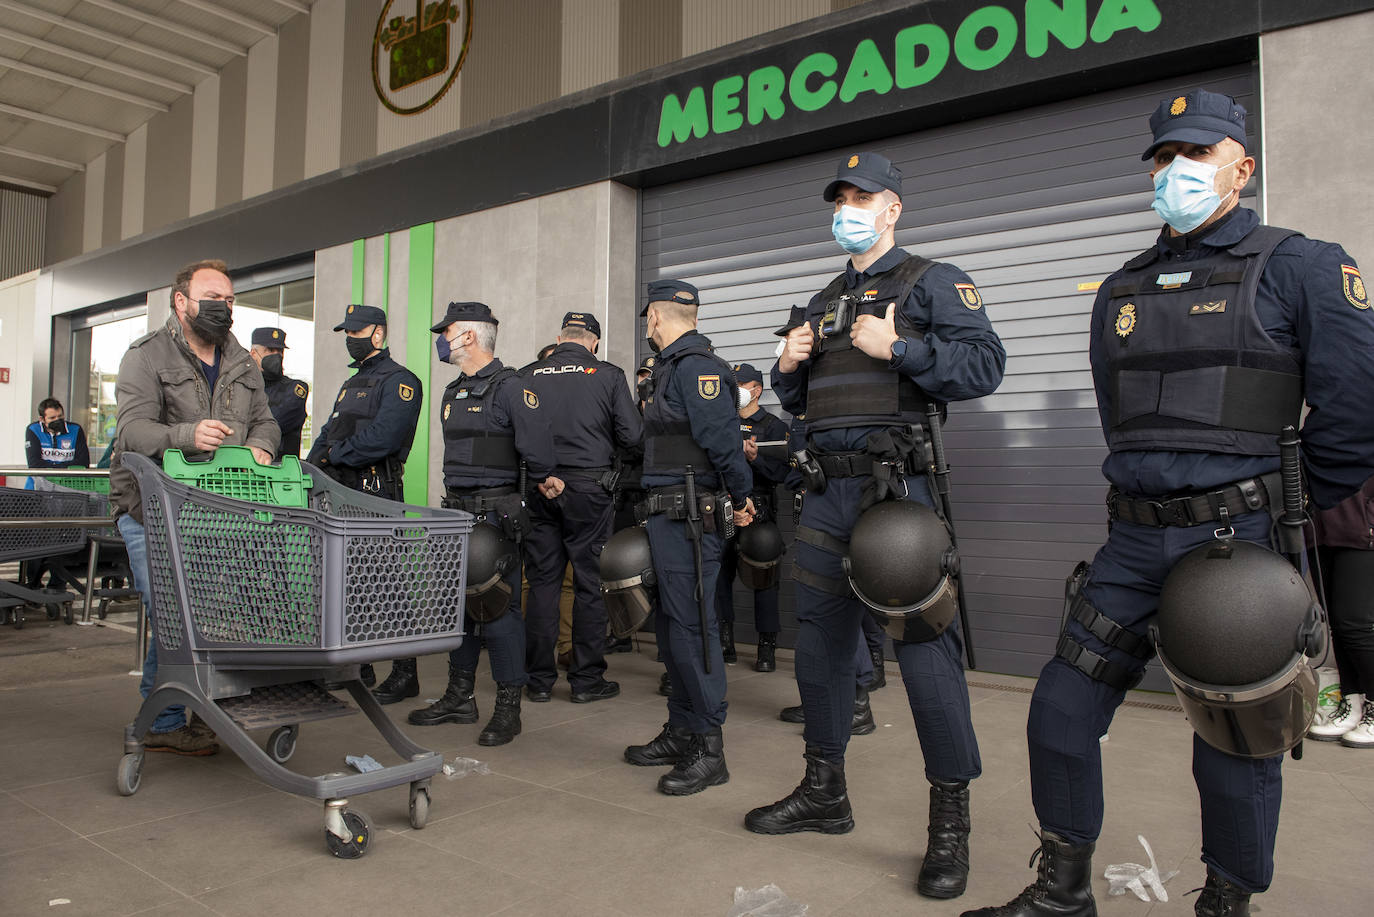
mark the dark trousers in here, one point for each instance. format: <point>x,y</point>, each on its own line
<point>1070,712</point>
<point>828,651</point>
<point>766,620</point>
<point>504,639</point>
<point>1348,576</point>
<point>698,701</point>
<point>570,528</point>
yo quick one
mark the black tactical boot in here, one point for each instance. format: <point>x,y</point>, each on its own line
<point>505,719</point>
<point>367,674</point>
<point>768,646</point>
<point>667,747</point>
<point>702,765</point>
<point>1221,898</point>
<point>400,684</point>
<point>862,724</point>
<point>1062,888</point>
<point>456,706</point>
<point>819,803</point>
<point>879,679</point>
<point>944,872</point>
<point>792,714</point>
<point>727,642</point>
<point>665,685</point>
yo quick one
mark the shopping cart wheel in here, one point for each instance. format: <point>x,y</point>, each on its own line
<point>19,618</point>
<point>130,773</point>
<point>54,611</point>
<point>419,806</point>
<point>281,745</point>
<point>68,613</point>
<point>360,832</point>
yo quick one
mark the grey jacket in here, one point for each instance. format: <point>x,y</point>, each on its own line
<point>162,395</point>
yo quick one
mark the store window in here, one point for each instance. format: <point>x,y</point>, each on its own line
<point>289,306</point>
<point>98,344</point>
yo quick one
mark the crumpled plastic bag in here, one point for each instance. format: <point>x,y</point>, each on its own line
<point>1135,878</point>
<point>462,767</point>
<point>362,764</point>
<point>768,901</point>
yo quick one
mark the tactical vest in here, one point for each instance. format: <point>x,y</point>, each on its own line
<point>668,443</point>
<point>282,395</point>
<point>1190,366</point>
<point>356,407</point>
<point>848,388</point>
<point>473,445</point>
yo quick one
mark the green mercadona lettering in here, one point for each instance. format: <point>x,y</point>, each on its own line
<point>918,55</point>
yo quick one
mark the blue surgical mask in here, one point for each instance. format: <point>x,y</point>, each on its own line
<point>1186,194</point>
<point>443,348</point>
<point>854,229</point>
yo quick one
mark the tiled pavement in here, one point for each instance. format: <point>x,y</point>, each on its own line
<point>562,826</point>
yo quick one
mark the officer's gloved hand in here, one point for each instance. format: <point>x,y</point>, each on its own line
<point>745,514</point>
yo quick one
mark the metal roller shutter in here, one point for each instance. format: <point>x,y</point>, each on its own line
<point>1032,204</point>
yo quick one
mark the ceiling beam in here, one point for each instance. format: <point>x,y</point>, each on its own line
<point>27,183</point>
<point>94,61</point>
<point>175,28</point>
<point>79,83</point>
<point>293,5</point>
<point>28,115</point>
<point>39,157</point>
<point>216,9</point>
<point>103,35</point>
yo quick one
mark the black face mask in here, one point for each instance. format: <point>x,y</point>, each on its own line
<point>57,426</point>
<point>271,366</point>
<point>359,348</point>
<point>213,321</point>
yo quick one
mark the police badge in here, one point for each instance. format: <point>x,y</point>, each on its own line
<point>708,387</point>
<point>1353,286</point>
<point>1125,320</point>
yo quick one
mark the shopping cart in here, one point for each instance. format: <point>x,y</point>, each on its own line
<point>255,605</point>
<point>103,575</point>
<point>35,545</point>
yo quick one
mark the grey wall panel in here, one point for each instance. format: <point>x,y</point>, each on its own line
<point>167,192</point>
<point>650,34</point>
<point>1037,207</point>
<point>293,74</point>
<point>23,226</point>
<point>114,196</point>
<point>523,30</point>
<point>358,127</point>
<point>233,112</point>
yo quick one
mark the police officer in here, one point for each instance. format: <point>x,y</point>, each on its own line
<point>692,459</point>
<point>492,421</point>
<point>286,396</point>
<point>365,441</point>
<point>1270,319</point>
<point>769,466</point>
<point>586,404</point>
<point>917,334</point>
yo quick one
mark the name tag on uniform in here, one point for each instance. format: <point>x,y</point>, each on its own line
<point>1171,281</point>
<point>462,393</point>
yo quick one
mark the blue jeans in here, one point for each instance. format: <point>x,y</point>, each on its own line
<point>136,543</point>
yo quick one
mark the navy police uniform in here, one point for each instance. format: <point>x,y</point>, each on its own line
<point>286,397</point>
<point>1202,348</point>
<point>586,404</point>
<point>770,469</point>
<point>690,418</point>
<point>365,442</point>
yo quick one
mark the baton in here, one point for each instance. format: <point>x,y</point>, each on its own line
<point>937,449</point>
<point>694,533</point>
<point>1292,519</point>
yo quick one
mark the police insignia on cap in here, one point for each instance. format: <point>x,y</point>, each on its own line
<point>970,295</point>
<point>1179,107</point>
<point>275,335</point>
<point>708,387</point>
<point>405,391</point>
<point>648,363</point>
<point>447,409</point>
<point>683,296</point>
<point>1354,288</point>
<point>853,161</point>
<point>1125,320</point>
<point>531,400</point>
<point>300,390</point>
<point>350,309</point>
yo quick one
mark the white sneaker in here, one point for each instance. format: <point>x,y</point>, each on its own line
<point>1362,736</point>
<point>1347,716</point>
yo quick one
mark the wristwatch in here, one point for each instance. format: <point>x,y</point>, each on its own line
<point>898,353</point>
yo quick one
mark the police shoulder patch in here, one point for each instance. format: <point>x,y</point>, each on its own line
<point>708,387</point>
<point>300,390</point>
<point>531,400</point>
<point>406,392</point>
<point>1353,286</point>
<point>970,296</point>
<point>448,408</point>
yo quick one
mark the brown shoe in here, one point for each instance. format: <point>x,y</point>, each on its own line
<point>199,727</point>
<point>180,741</point>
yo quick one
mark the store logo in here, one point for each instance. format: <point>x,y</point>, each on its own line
<point>914,56</point>
<point>415,59</point>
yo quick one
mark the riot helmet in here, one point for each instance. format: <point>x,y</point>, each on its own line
<point>903,565</point>
<point>760,554</point>
<point>628,584</point>
<point>1236,627</point>
<point>491,555</point>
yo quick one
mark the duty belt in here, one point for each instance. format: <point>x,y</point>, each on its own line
<point>1194,509</point>
<point>848,464</point>
<point>475,500</point>
<point>671,501</point>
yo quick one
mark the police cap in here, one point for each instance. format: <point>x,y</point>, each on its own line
<point>795,319</point>
<point>679,291</point>
<point>357,317</point>
<point>867,172</point>
<point>1198,117</point>
<point>582,320</point>
<point>464,312</point>
<point>746,373</point>
<point>272,338</point>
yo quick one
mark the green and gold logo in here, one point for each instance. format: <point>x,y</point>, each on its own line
<point>415,59</point>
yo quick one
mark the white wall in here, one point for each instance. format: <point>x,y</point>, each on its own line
<point>17,401</point>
